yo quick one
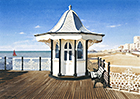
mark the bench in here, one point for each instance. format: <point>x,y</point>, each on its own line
<point>98,76</point>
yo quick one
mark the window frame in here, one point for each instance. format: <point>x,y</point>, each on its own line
<point>57,50</point>
<point>68,49</point>
<point>79,49</point>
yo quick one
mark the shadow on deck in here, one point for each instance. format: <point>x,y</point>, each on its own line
<point>7,75</point>
<point>37,84</point>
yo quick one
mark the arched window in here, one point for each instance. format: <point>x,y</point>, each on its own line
<point>56,50</point>
<point>67,51</point>
<point>80,50</point>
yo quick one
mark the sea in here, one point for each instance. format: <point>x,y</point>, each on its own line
<point>26,54</point>
<point>30,60</point>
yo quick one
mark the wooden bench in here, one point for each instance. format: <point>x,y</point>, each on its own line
<point>98,76</point>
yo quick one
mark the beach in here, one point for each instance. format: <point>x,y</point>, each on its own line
<point>120,61</point>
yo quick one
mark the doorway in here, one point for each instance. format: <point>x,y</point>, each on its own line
<point>68,58</point>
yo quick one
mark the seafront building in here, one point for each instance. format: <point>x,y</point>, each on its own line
<point>135,46</point>
<point>69,41</point>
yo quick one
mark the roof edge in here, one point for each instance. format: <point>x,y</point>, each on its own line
<point>92,33</point>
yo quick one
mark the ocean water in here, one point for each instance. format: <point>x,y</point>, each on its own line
<point>30,60</point>
<point>26,54</point>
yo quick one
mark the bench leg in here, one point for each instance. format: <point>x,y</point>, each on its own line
<point>94,84</point>
<point>99,80</point>
<point>104,83</point>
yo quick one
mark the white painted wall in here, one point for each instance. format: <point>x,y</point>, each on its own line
<point>55,67</point>
<point>81,62</point>
<point>81,67</point>
<point>68,68</point>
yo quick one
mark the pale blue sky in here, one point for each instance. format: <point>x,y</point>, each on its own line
<point>119,20</point>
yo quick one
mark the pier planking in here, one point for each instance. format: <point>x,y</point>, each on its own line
<point>37,84</point>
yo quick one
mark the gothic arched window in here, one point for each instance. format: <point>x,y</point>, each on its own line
<point>80,50</point>
<point>56,50</point>
<point>67,52</point>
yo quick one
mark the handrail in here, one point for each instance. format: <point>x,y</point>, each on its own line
<point>21,63</point>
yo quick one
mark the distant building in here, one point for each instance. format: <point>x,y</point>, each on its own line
<point>126,47</point>
<point>131,47</point>
<point>136,39</point>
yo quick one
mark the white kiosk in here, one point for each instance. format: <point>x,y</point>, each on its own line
<point>69,41</point>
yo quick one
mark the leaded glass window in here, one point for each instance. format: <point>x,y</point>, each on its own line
<point>80,50</point>
<point>67,51</point>
<point>56,50</point>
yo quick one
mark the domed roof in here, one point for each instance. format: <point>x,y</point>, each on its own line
<point>69,22</point>
<point>69,27</point>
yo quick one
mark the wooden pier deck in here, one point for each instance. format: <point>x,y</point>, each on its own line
<point>38,85</point>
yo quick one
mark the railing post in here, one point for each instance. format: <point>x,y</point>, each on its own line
<point>5,63</point>
<point>39,63</point>
<point>22,63</point>
<point>103,65</point>
<point>98,61</point>
<point>108,74</point>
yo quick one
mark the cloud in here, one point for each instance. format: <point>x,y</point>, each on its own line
<point>25,45</point>
<point>37,26</point>
<point>20,42</point>
<point>98,46</point>
<point>92,29</point>
<point>113,26</point>
<point>32,47</point>
<point>87,26</point>
<point>102,46</point>
<point>21,33</point>
<point>82,20</point>
<point>119,25</point>
<point>6,48</point>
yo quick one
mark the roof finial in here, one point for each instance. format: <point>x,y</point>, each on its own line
<point>70,7</point>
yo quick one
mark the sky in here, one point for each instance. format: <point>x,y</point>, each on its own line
<point>20,20</point>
